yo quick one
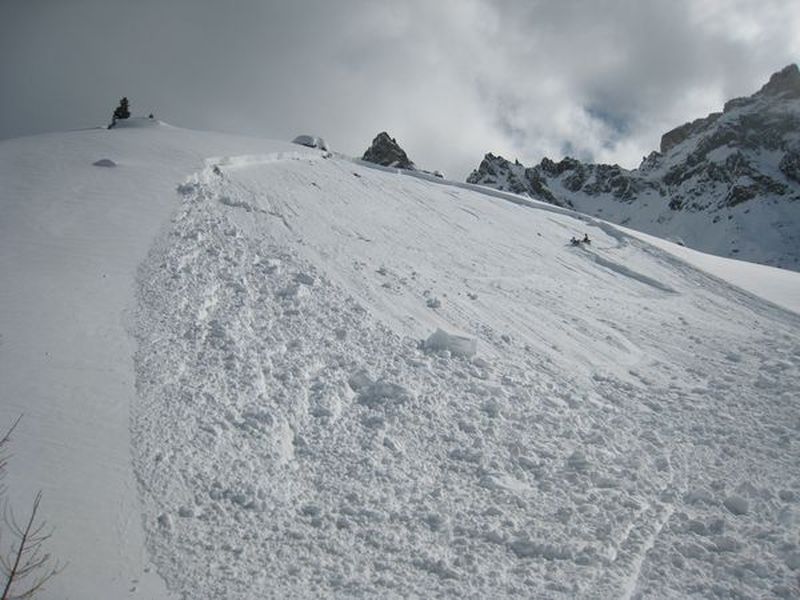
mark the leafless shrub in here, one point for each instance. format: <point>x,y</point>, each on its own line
<point>24,563</point>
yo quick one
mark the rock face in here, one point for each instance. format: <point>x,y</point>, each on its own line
<point>674,137</point>
<point>387,152</point>
<point>728,183</point>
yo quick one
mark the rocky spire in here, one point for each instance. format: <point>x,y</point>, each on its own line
<point>387,152</point>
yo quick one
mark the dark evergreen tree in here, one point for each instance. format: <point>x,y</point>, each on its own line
<point>121,112</point>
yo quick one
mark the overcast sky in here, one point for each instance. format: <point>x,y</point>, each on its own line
<point>450,79</point>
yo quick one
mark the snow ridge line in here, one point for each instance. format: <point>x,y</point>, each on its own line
<point>241,161</point>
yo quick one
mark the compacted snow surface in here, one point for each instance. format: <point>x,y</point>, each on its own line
<point>627,428</point>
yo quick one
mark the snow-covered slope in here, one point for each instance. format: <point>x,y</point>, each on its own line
<point>627,428</point>
<point>71,237</point>
<point>728,184</point>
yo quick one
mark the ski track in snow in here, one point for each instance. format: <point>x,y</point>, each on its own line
<point>291,442</point>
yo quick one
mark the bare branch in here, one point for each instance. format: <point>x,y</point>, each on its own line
<point>4,456</point>
<point>25,565</point>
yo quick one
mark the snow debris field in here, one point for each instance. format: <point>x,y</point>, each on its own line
<point>349,382</point>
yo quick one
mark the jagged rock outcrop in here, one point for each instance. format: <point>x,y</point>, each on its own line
<point>497,172</point>
<point>674,137</point>
<point>727,183</point>
<point>387,152</point>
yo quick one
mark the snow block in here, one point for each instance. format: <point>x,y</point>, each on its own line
<point>382,394</point>
<point>457,345</point>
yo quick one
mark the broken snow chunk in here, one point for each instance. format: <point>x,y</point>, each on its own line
<point>457,345</point>
<point>525,548</point>
<point>736,504</point>
<point>467,427</point>
<point>359,380</point>
<point>492,408</point>
<point>304,278</point>
<point>435,521</point>
<point>699,496</point>
<point>373,422</point>
<point>165,521</point>
<point>436,567</point>
<point>465,454</point>
<point>496,537</point>
<point>311,510</point>
<point>269,265</point>
<point>793,561</point>
<point>726,543</point>
<point>189,188</point>
<point>383,393</point>
<point>577,461</point>
<point>185,512</point>
<point>104,162</point>
<point>294,292</point>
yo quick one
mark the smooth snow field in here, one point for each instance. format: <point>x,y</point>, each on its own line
<point>251,369</point>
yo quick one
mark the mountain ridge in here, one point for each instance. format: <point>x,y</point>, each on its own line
<point>727,183</point>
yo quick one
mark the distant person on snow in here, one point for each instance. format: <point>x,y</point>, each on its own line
<point>576,242</point>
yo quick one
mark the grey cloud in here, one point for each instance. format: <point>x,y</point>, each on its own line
<point>450,79</point>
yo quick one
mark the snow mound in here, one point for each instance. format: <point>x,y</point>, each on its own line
<point>104,162</point>
<point>311,141</point>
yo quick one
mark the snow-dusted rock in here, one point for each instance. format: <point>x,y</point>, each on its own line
<point>387,152</point>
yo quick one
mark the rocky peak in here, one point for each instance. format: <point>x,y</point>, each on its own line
<point>786,81</point>
<point>387,152</point>
<point>784,84</point>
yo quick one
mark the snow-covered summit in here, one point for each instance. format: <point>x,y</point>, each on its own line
<point>139,123</point>
<point>336,380</point>
<point>728,183</point>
